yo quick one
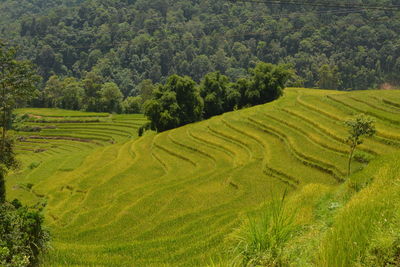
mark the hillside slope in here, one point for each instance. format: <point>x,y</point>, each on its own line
<point>128,41</point>
<point>172,198</point>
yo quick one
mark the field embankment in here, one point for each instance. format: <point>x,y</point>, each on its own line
<point>113,199</point>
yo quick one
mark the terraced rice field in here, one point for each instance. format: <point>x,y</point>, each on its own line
<point>113,199</point>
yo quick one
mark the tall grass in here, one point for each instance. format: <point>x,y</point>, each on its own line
<point>260,241</point>
<point>363,233</point>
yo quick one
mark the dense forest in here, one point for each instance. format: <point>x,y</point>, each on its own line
<point>126,42</point>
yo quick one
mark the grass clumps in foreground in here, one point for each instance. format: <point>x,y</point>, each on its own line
<point>356,224</point>
<point>260,241</point>
<point>365,231</point>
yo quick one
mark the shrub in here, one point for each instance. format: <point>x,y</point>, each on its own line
<point>33,165</point>
<point>132,105</point>
<point>261,241</point>
<point>363,157</point>
<point>22,237</point>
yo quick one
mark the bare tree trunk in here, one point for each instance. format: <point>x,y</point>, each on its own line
<point>350,158</point>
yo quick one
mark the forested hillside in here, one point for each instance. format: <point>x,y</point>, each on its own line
<point>128,41</point>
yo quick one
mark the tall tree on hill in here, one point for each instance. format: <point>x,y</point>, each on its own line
<point>110,97</point>
<point>266,83</point>
<point>17,84</point>
<point>174,104</point>
<point>359,127</point>
<point>92,84</point>
<point>73,94</point>
<point>213,90</point>
<point>53,92</point>
<point>22,237</point>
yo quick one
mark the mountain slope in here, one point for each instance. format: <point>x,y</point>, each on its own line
<point>128,41</point>
<point>172,198</point>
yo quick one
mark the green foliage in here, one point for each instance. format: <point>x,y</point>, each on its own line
<point>72,94</point>
<point>2,184</point>
<point>266,83</point>
<point>329,77</point>
<point>22,237</point>
<point>132,104</point>
<point>145,89</point>
<point>174,104</point>
<point>127,42</point>
<point>110,97</point>
<point>365,230</point>
<point>361,126</point>
<point>7,161</point>
<point>213,90</point>
<point>53,92</point>
<point>17,85</point>
<point>92,85</point>
<point>89,94</point>
<point>260,242</point>
<point>217,95</point>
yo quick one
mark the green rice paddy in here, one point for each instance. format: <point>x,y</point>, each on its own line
<point>113,199</point>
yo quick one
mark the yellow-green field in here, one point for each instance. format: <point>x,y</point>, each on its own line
<point>113,199</point>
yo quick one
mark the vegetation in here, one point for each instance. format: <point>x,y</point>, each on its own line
<point>175,104</point>
<point>179,101</point>
<point>17,84</point>
<point>175,197</point>
<point>261,242</point>
<point>227,135</point>
<point>359,127</point>
<point>127,42</point>
<point>22,237</point>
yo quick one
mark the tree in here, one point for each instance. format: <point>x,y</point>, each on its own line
<point>17,84</point>
<point>329,77</point>
<point>213,90</point>
<point>7,161</point>
<point>53,92</point>
<point>92,85</point>
<point>21,234</point>
<point>361,126</point>
<point>174,104</point>
<point>73,94</point>
<point>110,97</point>
<point>145,89</point>
<point>267,82</point>
<point>132,105</point>
<point>201,65</point>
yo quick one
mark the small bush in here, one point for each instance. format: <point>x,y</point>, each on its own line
<point>143,128</point>
<point>29,186</point>
<point>363,157</point>
<point>261,241</point>
<point>22,237</point>
<point>27,128</point>
<point>33,165</point>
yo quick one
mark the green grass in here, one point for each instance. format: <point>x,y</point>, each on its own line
<point>55,112</point>
<point>173,198</point>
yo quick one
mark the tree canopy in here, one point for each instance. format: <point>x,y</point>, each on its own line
<point>181,101</point>
<point>127,42</point>
<point>174,104</point>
